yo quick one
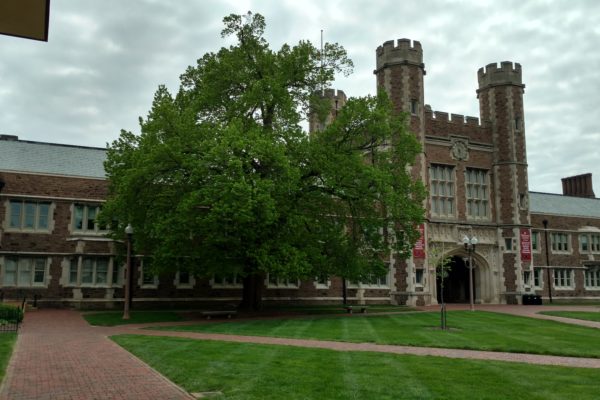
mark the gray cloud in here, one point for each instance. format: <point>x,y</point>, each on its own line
<point>104,61</point>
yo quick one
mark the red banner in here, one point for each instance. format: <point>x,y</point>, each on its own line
<point>525,244</point>
<point>419,249</point>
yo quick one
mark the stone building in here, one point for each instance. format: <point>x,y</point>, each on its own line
<point>475,169</point>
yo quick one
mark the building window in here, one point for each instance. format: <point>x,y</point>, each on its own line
<point>419,277</point>
<point>527,279</point>
<point>84,218</point>
<point>595,243</point>
<point>147,278</point>
<point>583,243</point>
<point>24,271</point>
<point>477,193</point>
<point>414,107</point>
<point>592,277</point>
<point>517,123</point>
<point>538,278</point>
<point>508,244</point>
<point>560,242</point>
<point>92,272</point>
<point>227,281</point>
<point>535,241</point>
<point>442,190</point>
<point>184,280</point>
<point>274,282</point>
<point>563,278</point>
<point>322,282</point>
<point>589,243</point>
<point>374,281</point>
<point>29,215</point>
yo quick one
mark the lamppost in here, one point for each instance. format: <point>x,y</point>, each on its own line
<point>548,272</point>
<point>127,304</point>
<point>470,242</point>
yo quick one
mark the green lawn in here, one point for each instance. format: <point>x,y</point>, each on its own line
<point>252,371</point>
<point>333,309</point>
<point>587,315</point>
<point>7,343</point>
<point>470,330</point>
<point>112,318</point>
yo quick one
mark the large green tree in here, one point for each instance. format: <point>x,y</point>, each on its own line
<point>223,179</point>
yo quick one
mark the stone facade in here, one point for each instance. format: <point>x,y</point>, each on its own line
<point>475,169</point>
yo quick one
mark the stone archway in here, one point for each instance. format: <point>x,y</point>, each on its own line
<point>456,285</point>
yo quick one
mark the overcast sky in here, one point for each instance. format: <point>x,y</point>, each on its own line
<point>105,59</point>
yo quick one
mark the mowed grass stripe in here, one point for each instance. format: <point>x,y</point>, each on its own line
<point>253,371</point>
<point>585,315</point>
<point>469,330</point>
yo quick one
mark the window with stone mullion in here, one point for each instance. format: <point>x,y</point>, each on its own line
<point>477,193</point>
<point>560,242</point>
<point>592,277</point>
<point>442,190</point>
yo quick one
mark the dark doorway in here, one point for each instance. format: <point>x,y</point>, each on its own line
<point>456,284</point>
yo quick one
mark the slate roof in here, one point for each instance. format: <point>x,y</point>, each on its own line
<point>50,158</point>
<point>557,204</point>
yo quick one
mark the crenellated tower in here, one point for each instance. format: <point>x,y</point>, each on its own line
<point>500,96</point>
<point>400,71</point>
<point>337,100</point>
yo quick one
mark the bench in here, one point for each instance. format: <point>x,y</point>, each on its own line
<point>350,309</point>
<point>220,313</point>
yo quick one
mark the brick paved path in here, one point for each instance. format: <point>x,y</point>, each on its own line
<point>527,311</point>
<point>378,348</point>
<point>58,356</point>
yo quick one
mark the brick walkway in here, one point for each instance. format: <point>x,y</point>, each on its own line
<point>378,348</point>
<point>58,356</point>
<point>527,311</point>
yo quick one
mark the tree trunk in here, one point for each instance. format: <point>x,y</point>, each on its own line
<point>344,291</point>
<point>252,293</point>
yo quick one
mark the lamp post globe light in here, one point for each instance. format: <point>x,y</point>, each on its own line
<point>470,242</point>
<point>127,299</point>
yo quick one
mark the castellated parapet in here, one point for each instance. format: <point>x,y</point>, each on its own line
<point>402,52</point>
<point>444,125</point>
<point>507,74</point>
<point>337,100</point>
<point>337,97</point>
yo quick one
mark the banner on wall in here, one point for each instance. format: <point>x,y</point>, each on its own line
<point>525,244</point>
<point>419,249</point>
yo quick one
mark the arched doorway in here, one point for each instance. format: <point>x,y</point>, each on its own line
<point>456,283</point>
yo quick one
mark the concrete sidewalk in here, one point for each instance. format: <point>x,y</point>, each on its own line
<point>59,356</point>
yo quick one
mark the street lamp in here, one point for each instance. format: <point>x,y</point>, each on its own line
<point>470,242</point>
<point>127,304</point>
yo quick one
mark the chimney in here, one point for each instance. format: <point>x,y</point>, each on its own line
<point>578,186</point>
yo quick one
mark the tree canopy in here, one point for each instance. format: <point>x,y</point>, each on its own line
<point>223,179</point>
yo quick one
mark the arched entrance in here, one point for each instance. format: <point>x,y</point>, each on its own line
<point>456,283</point>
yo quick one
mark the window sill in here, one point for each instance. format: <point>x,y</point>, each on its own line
<point>232,286</point>
<point>25,287</point>
<point>186,286</point>
<point>152,286</point>
<point>283,287</point>
<point>34,231</point>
